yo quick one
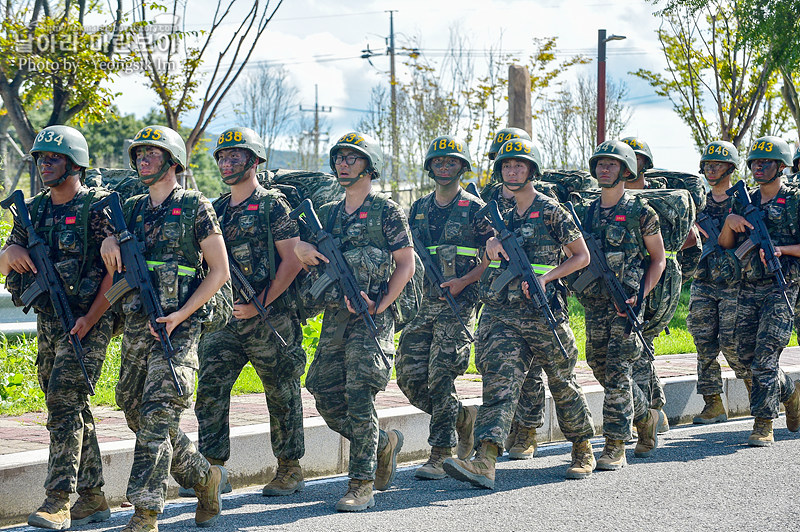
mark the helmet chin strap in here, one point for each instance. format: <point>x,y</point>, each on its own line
<point>768,181</point>
<point>152,180</point>
<point>234,179</point>
<point>611,185</point>
<point>347,182</point>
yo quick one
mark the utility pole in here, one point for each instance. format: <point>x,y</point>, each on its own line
<point>316,110</point>
<point>393,93</point>
<point>601,82</point>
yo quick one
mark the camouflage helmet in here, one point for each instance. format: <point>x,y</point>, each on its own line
<point>448,146</point>
<point>244,138</point>
<point>65,140</point>
<point>614,149</point>
<point>504,135</point>
<point>722,151</point>
<point>363,144</point>
<point>770,147</point>
<point>161,137</point>
<point>640,147</point>
<point>796,161</point>
<point>518,148</point>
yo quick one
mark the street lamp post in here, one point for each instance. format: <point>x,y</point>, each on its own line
<point>601,82</point>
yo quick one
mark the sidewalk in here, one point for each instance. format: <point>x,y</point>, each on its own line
<point>28,432</point>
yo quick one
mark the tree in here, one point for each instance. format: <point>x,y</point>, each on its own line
<point>716,80</point>
<point>268,103</point>
<point>177,88</point>
<point>48,56</point>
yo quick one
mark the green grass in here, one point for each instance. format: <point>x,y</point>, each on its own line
<point>19,389</point>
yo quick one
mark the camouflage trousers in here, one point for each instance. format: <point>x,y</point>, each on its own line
<point>611,357</point>
<point>645,376</point>
<point>763,328</point>
<point>433,351</point>
<point>147,395</point>
<point>74,460</point>
<point>711,322</point>
<point>510,341</point>
<point>530,406</point>
<point>222,356</point>
<point>345,376</point>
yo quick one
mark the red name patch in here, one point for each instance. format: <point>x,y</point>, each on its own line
<point>176,211</point>
<point>782,201</point>
<point>362,215</point>
<point>252,207</point>
<point>534,214</point>
<point>69,220</point>
<point>619,218</point>
<point>463,203</point>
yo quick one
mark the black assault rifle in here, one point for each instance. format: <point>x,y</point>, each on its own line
<point>519,266</point>
<point>436,279</point>
<point>598,269</point>
<point>336,270</point>
<point>472,189</point>
<point>136,276</point>
<point>760,237</point>
<point>46,280</point>
<point>711,228</point>
<point>248,293</point>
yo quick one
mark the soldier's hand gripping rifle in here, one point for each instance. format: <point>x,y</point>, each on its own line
<point>46,280</point>
<point>136,276</point>
<point>760,237</point>
<point>336,270</point>
<point>711,228</point>
<point>248,293</point>
<point>436,278</point>
<point>519,266</point>
<point>598,269</point>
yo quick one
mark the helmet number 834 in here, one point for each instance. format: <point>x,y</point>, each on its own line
<point>49,136</point>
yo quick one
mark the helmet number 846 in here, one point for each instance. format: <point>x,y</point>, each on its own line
<point>719,150</point>
<point>49,136</point>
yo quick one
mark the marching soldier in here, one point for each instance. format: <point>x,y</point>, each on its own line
<point>62,216</point>
<point>260,239</point>
<point>764,319</point>
<point>434,348</point>
<point>513,335</point>
<point>348,369</point>
<point>179,229</point>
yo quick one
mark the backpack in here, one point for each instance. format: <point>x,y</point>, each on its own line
<point>319,187</point>
<point>407,304</point>
<point>565,182</point>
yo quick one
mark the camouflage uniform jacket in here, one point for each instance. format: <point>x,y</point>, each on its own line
<point>719,266</point>
<point>73,232</point>
<point>453,235</point>
<point>251,229</point>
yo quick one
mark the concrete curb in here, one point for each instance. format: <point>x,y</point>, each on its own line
<point>252,463</point>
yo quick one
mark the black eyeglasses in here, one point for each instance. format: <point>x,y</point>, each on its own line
<point>349,159</point>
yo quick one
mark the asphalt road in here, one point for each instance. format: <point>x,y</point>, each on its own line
<point>701,478</point>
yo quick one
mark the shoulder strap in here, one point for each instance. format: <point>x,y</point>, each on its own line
<point>264,208</point>
<point>375,220</point>
<point>190,204</point>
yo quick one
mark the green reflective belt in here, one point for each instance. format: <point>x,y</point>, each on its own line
<point>182,270</point>
<point>539,269</point>
<point>667,254</point>
<point>460,250</point>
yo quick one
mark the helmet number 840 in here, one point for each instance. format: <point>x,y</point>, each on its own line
<point>445,143</point>
<point>49,136</point>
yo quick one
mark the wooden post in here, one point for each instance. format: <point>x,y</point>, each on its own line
<point>519,98</point>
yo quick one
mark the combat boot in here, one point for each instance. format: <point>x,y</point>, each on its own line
<point>479,471</point>
<point>53,513</point>
<point>91,507</point>
<point>713,412</point>
<point>142,521</point>
<point>524,445</point>
<point>209,497</point>
<point>793,409</point>
<point>762,435</point>
<point>613,456</point>
<point>465,429</point>
<point>582,460</point>
<point>358,497</point>
<point>387,460</point>
<point>288,479</point>
<point>512,436</point>
<point>189,492</point>
<point>432,469</point>
<point>647,430</point>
